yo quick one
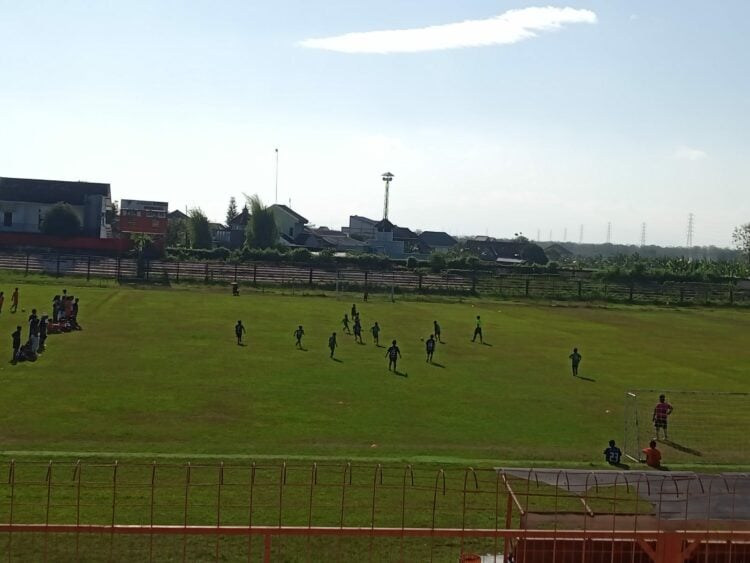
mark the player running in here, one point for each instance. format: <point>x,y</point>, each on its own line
<point>298,334</point>
<point>478,331</point>
<point>661,411</point>
<point>345,323</point>
<point>354,311</point>
<point>393,354</point>
<point>575,359</point>
<point>239,330</point>
<point>375,330</point>
<point>14,301</point>
<point>358,330</point>
<point>430,347</point>
<point>332,344</point>
<point>436,330</point>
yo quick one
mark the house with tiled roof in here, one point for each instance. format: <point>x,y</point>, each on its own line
<point>435,241</point>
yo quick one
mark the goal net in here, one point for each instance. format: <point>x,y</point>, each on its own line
<point>705,427</point>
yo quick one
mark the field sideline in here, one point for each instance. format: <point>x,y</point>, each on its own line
<point>157,371</point>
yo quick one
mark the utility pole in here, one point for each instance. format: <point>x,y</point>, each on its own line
<point>538,235</point>
<point>276,193</point>
<point>690,228</point>
<point>565,234</point>
<point>609,232</point>
<point>580,235</point>
<point>643,234</point>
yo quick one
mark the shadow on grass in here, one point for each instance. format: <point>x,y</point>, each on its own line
<point>437,365</point>
<point>337,360</point>
<point>585,378</point>
<point>681,448</point>
<point>401,373</point>
<point>302,349</point>
<point>241,344</point>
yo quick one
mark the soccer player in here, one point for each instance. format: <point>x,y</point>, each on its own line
<point>478,331</point>
<point>375,330</point>
<point>345,323</point>
<point>613,454</point>
<point>393,354</point>
<point>33,324</point>
<point>2,300</point>
<point>298,334</point>
<point>436,330</point>
<point>575,359</point>
<point>661,411</point>
<point>653,455</point>
<point>430,347</point>
<point>354,311</point>
<point>358,330</point>
<point>332,343</point>
<point>239,330</point>
<point>14,301</point>
<point>16,344</point>
<point>43,331</point>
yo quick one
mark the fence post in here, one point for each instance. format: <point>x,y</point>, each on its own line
<point>420,281</point>
<point>682,294</point>
<point>255,274</point>
<point>526,293</point>
<point>631,292</point>
<point>235,272</point>
<point>310,279</point>
<point>148,268</point>
<point>117,274</point>
<point>57,273</point>
<point>88,269</point>
<point>27,263</point>
<point>580,292</point>
<point>731,295</point>
<point>205,273</point>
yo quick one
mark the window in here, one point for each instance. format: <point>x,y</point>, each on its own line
<point>8,219</point>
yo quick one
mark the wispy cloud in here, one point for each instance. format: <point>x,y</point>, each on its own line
<point>690,153</point>
<point>507,28</point>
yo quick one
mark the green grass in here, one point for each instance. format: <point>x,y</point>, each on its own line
<point>157,372</point>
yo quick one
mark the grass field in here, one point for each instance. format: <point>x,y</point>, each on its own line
<point>158,372</point>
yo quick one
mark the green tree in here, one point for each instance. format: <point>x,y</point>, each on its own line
<point>199,229</point>
<point>232,210</point>
<point>177,233</point>
<point>437,262</point>
<point>262,231</point>
<point>741,239</point>
<point>61,220</point>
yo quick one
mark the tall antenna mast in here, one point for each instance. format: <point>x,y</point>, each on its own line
<point>690,227</point>
<point>387,177</point>
<point>276,193</point>
<point>565,234</point>
<point>643,234</point>
<point>609,232</point>
<point>580,235</point>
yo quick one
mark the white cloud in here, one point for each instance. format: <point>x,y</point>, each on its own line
<point>690,153</point>
<point>510,27</point>
<point>633,17</point>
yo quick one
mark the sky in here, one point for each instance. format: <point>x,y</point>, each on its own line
<point>495,117</point>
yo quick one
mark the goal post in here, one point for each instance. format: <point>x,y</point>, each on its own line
<point>705,427</point>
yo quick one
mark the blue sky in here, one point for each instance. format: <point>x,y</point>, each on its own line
<point>628,112</point>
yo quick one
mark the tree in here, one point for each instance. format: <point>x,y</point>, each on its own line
<point>741,239</point>
<point>262,231</point>
<point>232,210</point>
<point>199,229</point>
<point>178,233</point>
<point>61,220</point>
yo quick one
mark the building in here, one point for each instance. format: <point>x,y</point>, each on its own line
<point>384,242</point>
<point>24,202</point>
<point>361,227</point>
<point>339,240</point>
<point>435,241</point>
<point>238,228</point>
<point>143,217</point>
<point>290,223</point>
<point>557,252</point>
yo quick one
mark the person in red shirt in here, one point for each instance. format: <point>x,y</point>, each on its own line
<point>661,411</point>
<point>14,301</point>
<point>653,455</point>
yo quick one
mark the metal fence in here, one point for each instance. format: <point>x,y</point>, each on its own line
<point>500,283</point>
<point>278,511</point>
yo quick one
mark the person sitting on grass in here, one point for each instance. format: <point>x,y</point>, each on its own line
<point>653,455</point>
<point>613,454</point>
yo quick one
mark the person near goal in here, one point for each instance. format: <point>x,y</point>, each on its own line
<point>653,455</point>
<point>613,454</point>
<point>662,410</point>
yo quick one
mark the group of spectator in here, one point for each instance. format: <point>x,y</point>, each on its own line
<point>64,318</point>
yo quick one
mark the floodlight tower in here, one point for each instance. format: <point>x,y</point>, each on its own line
<point>387,177</point>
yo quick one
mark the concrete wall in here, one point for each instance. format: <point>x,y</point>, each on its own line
<point>27,216</point>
